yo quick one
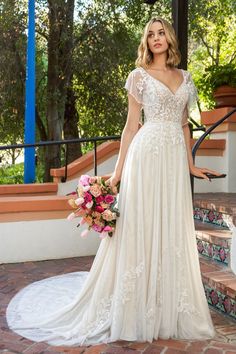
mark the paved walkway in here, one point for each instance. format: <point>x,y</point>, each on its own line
<point>15,276</point>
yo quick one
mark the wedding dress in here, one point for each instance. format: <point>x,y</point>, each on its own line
<point>145,281</point>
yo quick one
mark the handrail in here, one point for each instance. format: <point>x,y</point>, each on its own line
<point>113,137</point>
<point>66,143</point>
<point>203,136</point>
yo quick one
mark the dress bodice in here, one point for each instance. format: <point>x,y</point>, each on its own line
<point>159,103</point>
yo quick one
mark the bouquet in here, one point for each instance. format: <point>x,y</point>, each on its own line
<point>96,204</point>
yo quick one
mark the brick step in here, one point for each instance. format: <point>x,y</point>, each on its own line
<point>220,286</point>
<point>213,242</point>
<point>32,189</point>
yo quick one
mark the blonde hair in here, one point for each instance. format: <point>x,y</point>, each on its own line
<point>145,56</point>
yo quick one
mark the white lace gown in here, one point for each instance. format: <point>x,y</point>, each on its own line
<point>145,281</point>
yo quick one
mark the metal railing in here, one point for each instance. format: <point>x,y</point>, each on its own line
<point>203,136</point>
<point>66,143</point>
<point>116,137</point>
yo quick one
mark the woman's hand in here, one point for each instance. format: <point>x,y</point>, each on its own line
<point>113,181</point>
<point>200,172</point>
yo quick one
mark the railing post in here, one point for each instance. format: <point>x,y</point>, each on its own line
<point>191,129</point>
<point>95,158</point>
<point>66,163</point>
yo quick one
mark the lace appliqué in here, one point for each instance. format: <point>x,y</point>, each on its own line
<point>155,304</point>
<point>103,312</point>
<point>155,135</point>
<point>140,84</point>
<point>184,304</point>
<point>102,315</point>
<point>128,283</point>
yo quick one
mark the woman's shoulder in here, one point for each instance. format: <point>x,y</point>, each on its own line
<point>136,75</point>
<point>137,72</point>
<point>186,73</point>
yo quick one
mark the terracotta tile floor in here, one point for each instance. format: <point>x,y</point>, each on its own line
<point>15,276</point>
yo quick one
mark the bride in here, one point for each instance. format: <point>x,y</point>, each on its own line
<point>145,281</point>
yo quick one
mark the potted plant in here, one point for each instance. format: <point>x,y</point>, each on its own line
<point>221,82</point>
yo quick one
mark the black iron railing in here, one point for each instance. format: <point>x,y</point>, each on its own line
<point>204,135</point>
<point>94,140</point>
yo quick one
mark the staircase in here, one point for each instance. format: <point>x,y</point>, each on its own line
<point>215,216</point>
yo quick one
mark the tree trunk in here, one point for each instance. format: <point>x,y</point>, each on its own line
<point>71,126</point>
<point>60,45</point>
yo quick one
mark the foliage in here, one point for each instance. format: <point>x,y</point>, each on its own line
<point>216,76</point>
<point>107,37</point>
<point>14,174</point>
<point>102,50</point>
<point>12,70</point>
<point>212,36</point>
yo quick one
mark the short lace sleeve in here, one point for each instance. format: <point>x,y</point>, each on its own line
<point>193,95</point>
<point>135,85</point>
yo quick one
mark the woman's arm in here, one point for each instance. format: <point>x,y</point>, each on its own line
<point>129,131</point>
<point>195,171</point>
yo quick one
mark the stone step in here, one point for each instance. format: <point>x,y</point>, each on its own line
<point>40,207</point>
<point>220,286</point>
<point>213,242</point>
<point>31,189</point>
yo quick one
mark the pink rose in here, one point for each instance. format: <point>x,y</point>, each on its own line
<point>92,180</point>
<point>108,228</point>
<point>99,199</point>
<point>81,212</point>
<point>97,228</point>
<point>84,180</point>
<point>99,209</point>
<point>71,216</point>
<point>82,221</point>
<point>109,199</point>
<point>87,197</point>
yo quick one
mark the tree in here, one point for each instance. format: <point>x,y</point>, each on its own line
<point>212,28</point>
<point>12,73</point>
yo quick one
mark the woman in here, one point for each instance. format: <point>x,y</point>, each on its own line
<point>145,281</point>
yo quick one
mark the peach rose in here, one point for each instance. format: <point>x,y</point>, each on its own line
<point>95,190</point>
<point>88,219</point>
<point>72,203</point>
<point>108,215</point>
<point>104,205</point>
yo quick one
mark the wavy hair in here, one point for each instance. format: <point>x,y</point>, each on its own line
<point>145,56</point>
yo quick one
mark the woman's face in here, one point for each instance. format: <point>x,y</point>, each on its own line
<point>156,39</point>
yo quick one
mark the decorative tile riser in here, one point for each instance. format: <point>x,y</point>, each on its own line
<point>214,252</point>
<point>220,301</point>
<point>212,217</point>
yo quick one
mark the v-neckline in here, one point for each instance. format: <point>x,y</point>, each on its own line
<point>163,84</point>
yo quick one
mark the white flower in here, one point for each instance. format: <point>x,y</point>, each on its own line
<point>79,201</point>
<point>85,188</point>
<point>89,205</point>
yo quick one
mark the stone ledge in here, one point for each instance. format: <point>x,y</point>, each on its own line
<point>28,189</point>
<point>85,162</point>
<point>32,203</point>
